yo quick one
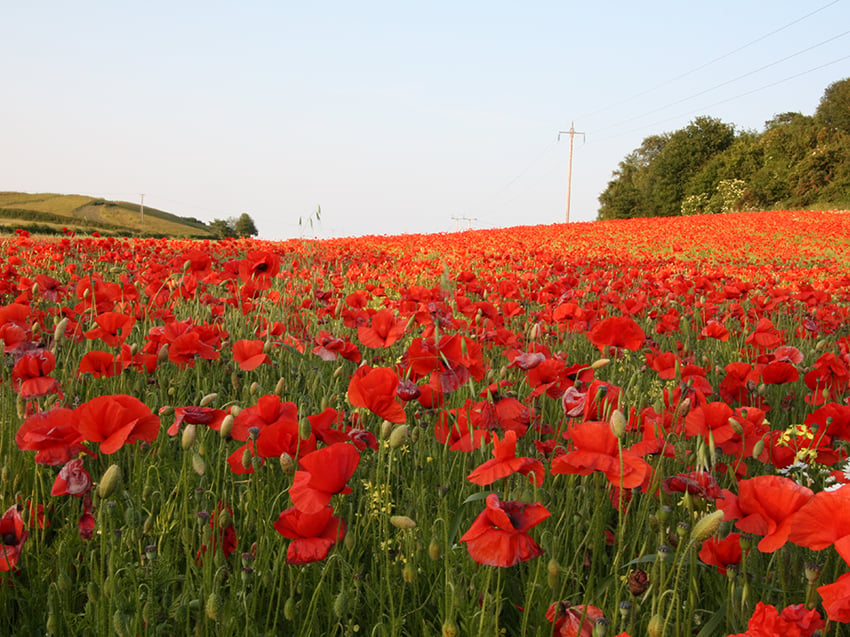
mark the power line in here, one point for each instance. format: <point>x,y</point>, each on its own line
<point>724,83</point>
<point>730,99</point>
<point>709,63</point>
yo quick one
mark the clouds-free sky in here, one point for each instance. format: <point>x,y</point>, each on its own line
<point>393,117</point>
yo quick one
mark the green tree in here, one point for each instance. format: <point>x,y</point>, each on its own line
<point>222,228</point>
<point>833,111</point>
<point>244,226</point>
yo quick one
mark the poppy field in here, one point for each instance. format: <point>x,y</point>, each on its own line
<point>635,427</point>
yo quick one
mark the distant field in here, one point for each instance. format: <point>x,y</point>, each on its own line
<point>47,212</point>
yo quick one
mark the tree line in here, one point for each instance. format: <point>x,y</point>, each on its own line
<point>232,227</point>
<point>798,161</point>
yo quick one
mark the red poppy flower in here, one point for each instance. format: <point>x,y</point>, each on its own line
<point>499,535</point>
<point>326,472</point>
<point>716,330</point>
<point>383,330</point>
<point>115,420</point>
<point>595,448</point>
<point>73,479</point>
<point>573,621</point>
<point>12,538</point>
<point>835,597</point>
<point>794,621</point>
<point>505,463</point>
<point>223,535</point>
<point>375,389</point>
<point>249,354</point>
<point>30,375</point>
<point>208,416</point>
<point>722,553</point>
<point>53,434</point>
<point>618,332</point>
<point>765,505</point>
<point>313,534</point>
<point>699,483</point>
<point>259,267</point>
<point>765,336</point>
<point>113,328</point>
<point>184,349</point>
<point>329,347</point>
<point>824,521</point>
<point>102,364</point>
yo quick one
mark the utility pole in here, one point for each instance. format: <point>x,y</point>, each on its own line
<point>468,220</point>
<point>142,209</point>
<point>572,133</point>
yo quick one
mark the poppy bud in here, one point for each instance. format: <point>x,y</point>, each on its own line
<point>386,429</point>
<point>187,439</point>
<point>236,381</point>
<point>208,399</point>
<point>450,629</point>
<point>198,464</point>
<point>110,481</point>
<point>246,459</point>
<point>736,426</point>
<point>341,605</point>
<point>408,573</point>
<point>435,551</point>
<point>618,423</point>
<point>305,429</point>
<point>254,389</point>
<point>162,354</point>
<point>289,608</point>
<point>758,448</point>
<point>399,436</point>
<point>655,628</point>
<point>214,606</point>
<point>59,330</point>
<point>599,363</point>
<point>278,389</point>
<point>707,526</point>
<point>287,464</point>
<point>402,522</point>
<point>226,426</point>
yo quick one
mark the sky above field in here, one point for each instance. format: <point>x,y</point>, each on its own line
<point>393,117</point>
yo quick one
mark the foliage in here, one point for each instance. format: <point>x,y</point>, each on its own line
<point>797,161</point>
<point>233,227</point>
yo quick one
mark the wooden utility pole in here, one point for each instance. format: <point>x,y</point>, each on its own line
<point>572,133</point>
<point>142,209</point>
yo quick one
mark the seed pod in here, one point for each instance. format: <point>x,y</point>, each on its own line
<point>109,481</point>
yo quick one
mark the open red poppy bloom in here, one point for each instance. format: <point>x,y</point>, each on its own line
<point>312,534</point>
<point>249,354</point>
<point>30,375</point>
<point>499,535</point>
<point>722,553</point>
<point>699,483</point>
<point>115,420</point>
<point>383,330</point>
<point>53,434</point>
<point>836,599</point>
<point>505,463</point>
<point>191,415</point>
<point>326,472</point>
<point>102,364</point>
<point>793,621</point>
<point>595,448</point>
<point>12,538</point>
<point>620,332</point>
<point>375,389</point>
<point>113,328</point>
<point>573,621</point>
<point>765,505</point>
<point>824,521</point>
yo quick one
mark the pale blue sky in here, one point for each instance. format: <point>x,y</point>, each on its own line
<point>394,117</point>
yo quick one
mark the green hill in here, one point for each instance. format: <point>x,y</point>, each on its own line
<point>49,213</point>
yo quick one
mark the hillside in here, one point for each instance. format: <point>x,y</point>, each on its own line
<point>49,213</point>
